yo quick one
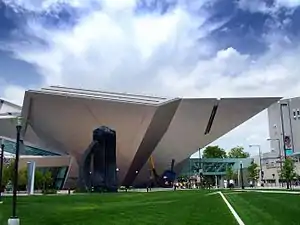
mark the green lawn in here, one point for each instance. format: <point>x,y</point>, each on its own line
<point>256,208</point>
<point>157,208</point>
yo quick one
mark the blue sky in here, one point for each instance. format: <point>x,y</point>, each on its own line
<point>218,48</point>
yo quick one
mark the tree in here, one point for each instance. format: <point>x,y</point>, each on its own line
<point>288,170</point>
<point>214,152</point>
<point>47,180</point>
<point>238,152</point>
<point>41,180</point>
<point>22,179</point>
<point>229,173</point>
<point>8,172</point>
<point>38,180</point>
<point>253,171</point>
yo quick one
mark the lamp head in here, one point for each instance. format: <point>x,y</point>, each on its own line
<point>19,121</point>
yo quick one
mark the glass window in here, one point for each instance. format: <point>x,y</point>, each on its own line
<point>58,175</point>
<point>10,147</point>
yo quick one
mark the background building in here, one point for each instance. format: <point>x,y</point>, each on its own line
<point>45,161</point>
<point>284,117</point>
<point>216,169</point>
<point>284,127</point>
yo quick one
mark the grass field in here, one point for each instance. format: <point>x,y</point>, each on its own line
<point>157,208</point>
<point>256,208</point>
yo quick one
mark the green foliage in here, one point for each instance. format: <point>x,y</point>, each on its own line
<point>49,191</point>
<point>183,178</point>
<point>84,190</point>
<point>38,180</point>
<point>22,179</point>
<point>253,171</point>
<point>214,152</point>
<point>235,176</point>
<point>47,179</point>
<point>41,181</point>
<point>229,173</point>
<point>238,152</point>
<point>8,173</point>
<point>288,169</point>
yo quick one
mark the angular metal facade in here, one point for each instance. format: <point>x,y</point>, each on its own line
<point>63,119</point>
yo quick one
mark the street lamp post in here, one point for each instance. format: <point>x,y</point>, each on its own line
<point>199,167</point>
<point>260,161</point>
<point>199,161</point>
<point>14,220</point>
<point>242,175</point>
<point>216,177</point>
<point>1,168</point>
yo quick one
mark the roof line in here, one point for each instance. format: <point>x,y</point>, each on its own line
<point>2,100</point>
<point>31,145</point>
<point>106,92</point>
<point>107,96</point>
<point>93,97</point>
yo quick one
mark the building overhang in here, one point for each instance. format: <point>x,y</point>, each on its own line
<point>166,128</point>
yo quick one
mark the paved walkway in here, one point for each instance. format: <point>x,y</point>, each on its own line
<point>295,190</point>
<point>65,192</point>
<point>270,191</point>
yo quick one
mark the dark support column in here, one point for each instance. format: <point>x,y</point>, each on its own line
<point>242,175</point>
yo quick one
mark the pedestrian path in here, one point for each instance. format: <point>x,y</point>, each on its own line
<point>269,191</point>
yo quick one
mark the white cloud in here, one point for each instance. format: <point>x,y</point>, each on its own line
<point>49,5</point>
<point>114,48</point>
<point>288,3</point>
<point>262,6</point>
<point>14,94</point>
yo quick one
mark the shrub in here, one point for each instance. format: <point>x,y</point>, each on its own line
<point>49,191</point>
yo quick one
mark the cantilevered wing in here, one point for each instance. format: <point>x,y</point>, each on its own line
<point>68,117</point>
<point>198,122</point>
